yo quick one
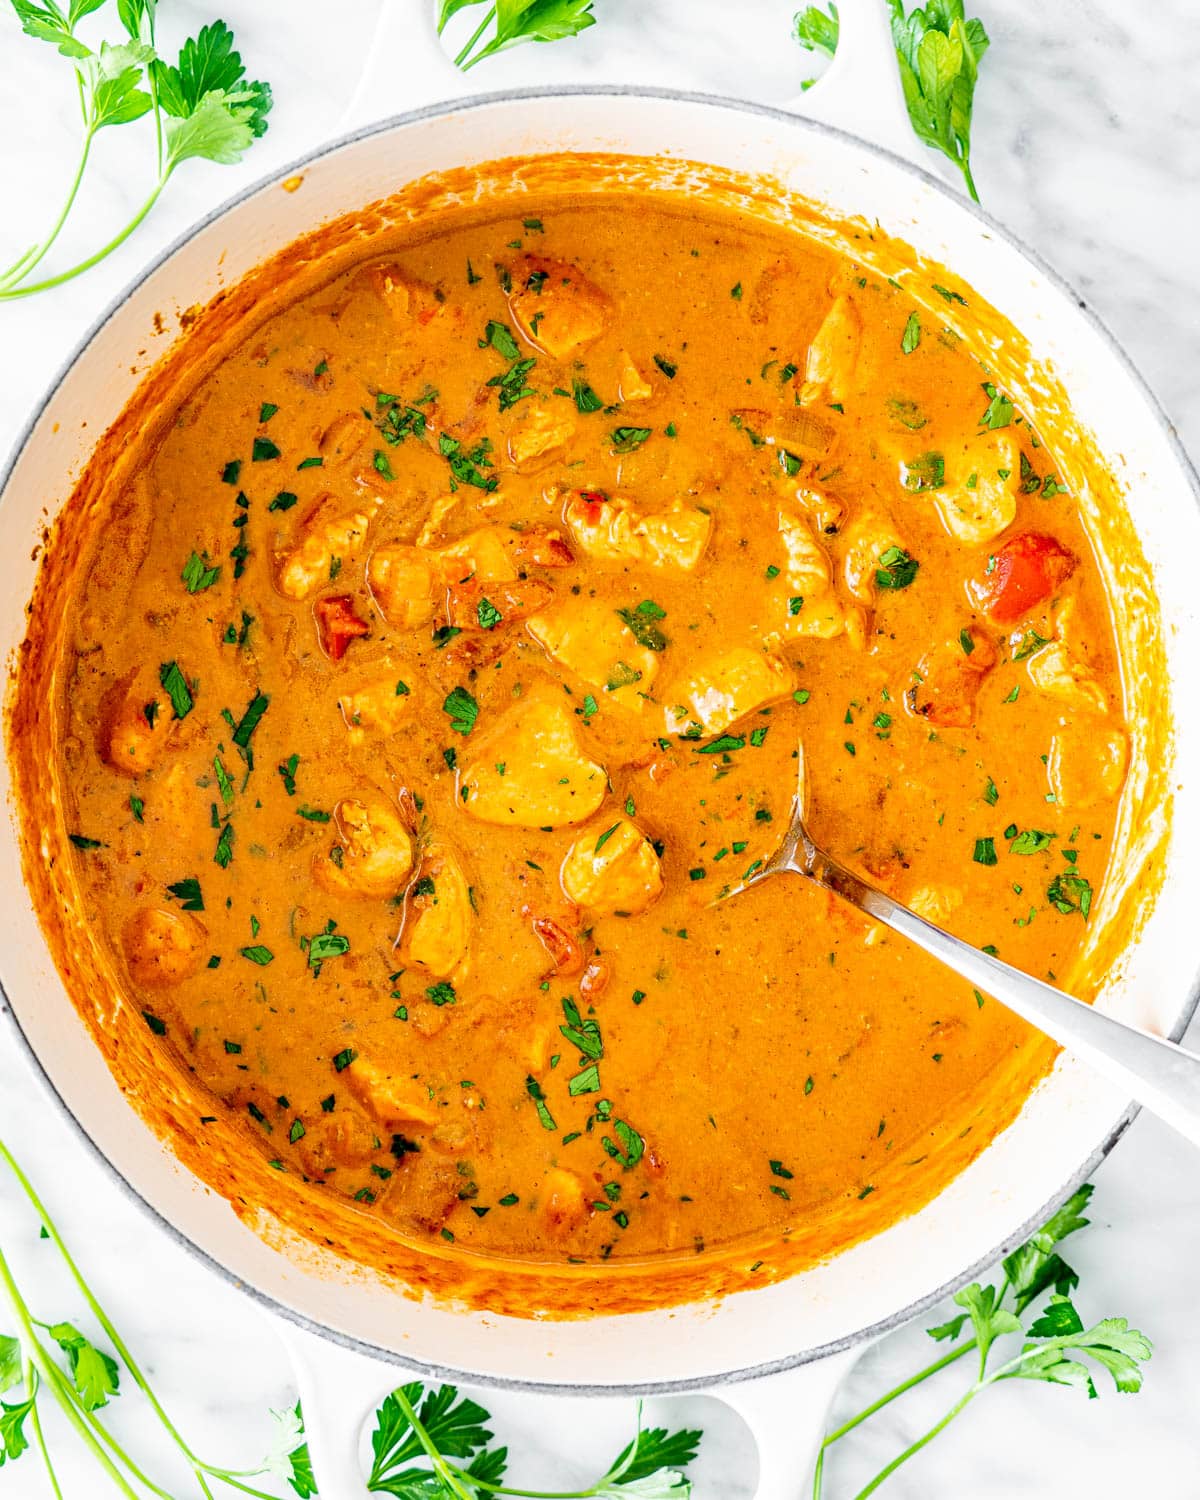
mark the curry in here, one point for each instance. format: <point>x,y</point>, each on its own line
<point>445,657</point>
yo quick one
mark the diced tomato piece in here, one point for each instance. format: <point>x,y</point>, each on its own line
<point>592,501</point>
<point>1025,572</point>
<point>338,624</point>
<point>560,945</point>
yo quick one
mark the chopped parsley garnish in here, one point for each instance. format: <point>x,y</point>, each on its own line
<point>534,1089</point>
<point>284,500</point>
<point>263,450</point>
<point>188,893</point>
<point>287,771</point>
<point>248,723</point>
<point>999,411</point>
<point>341,1062</point>
<point>1030,841</point>
<point>912,333</point>
<point>441,994</point>
<point>488,615</point>
<point>462,710</point>
<point>465,468</point>
<point>665,365</point>
<point>896,569</point>
<point>325,945</point>
<point>81,841</point>
<point>641,622</point>
<point>586,400</point>
<point>198,575</point>
<point>499,336</point>
<point>722,744</point>
<point>1069,893</point>
<point>926,472</point>
<point>257,954</point>
<point>985,851</point>
<point>175,686</point>
<point>626,439</point>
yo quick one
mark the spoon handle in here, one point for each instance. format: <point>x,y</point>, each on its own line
<point>1157,1073</point>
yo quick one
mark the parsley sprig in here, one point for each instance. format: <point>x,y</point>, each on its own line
<point>57,1362</point>
<point>512,22</point>
<point>202,106</point>
<point>938,52</point>
<point>1056,1346</point>
<point>431,1444</point>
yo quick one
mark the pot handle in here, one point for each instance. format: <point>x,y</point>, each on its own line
<point>406,66</point>
<point>860,91</point>
<point>786,1414</point>
<point>340,1387</point>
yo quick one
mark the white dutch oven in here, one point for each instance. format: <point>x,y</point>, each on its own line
<point>772,1352</point>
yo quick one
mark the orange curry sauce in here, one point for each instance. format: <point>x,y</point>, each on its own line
<point>445,654</point>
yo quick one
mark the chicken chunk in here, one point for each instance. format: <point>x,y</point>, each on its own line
<point>135,726</point>
<point>731,686</point>
<point>555,306</point>
<point>833,355</point>
<point>437,932</point>
<point>616,530</point>
<point>162,948</point>
<point>394,1101</point>
<point>530,772</point>
<point>344,1138</point>
<point>951,677</point>
<point>612,870</point>
<point>936,903</point>
<point>980,500</point>
<point>406,297</point>
<point>562,1203</point>
<point>487,553</point>
<point>869,539</point>
<point>1055,671</point>
<point>376,707</point>
<point>405,583</point>
<point>589,638</point>
<point>1087,762</point>
<point>802,601</point>
<point>630,385</point>
<point>373,855</point>
<point>538,431</point>
<point>330,530</point>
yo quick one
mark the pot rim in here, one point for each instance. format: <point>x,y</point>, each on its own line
<point>780,116</point>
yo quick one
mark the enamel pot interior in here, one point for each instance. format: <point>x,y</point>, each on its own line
<point>1070,1118</point>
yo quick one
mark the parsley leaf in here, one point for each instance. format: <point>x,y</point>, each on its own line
<point>203,107</point>
<point>462,709</point>
<point>518,21</point>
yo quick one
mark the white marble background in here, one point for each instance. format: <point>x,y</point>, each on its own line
<point>1087,142</point>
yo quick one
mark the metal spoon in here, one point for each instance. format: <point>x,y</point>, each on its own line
<point>1157,1073</point>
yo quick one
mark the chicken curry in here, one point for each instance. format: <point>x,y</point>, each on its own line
<point>446,657</point>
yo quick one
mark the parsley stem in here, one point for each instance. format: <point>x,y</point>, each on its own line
<point>886,1400</point>
<point>118,1343</point>
<point>8,294</point>
<point>445,1472</point>
<point>31,1377</point>
<point>965,164</point>
<point>914,1448</point>
<point>461,60</point>
<point>51,1376</point>
<point>21,268</point>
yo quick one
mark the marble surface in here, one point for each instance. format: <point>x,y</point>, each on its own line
<point>1087,142</point>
